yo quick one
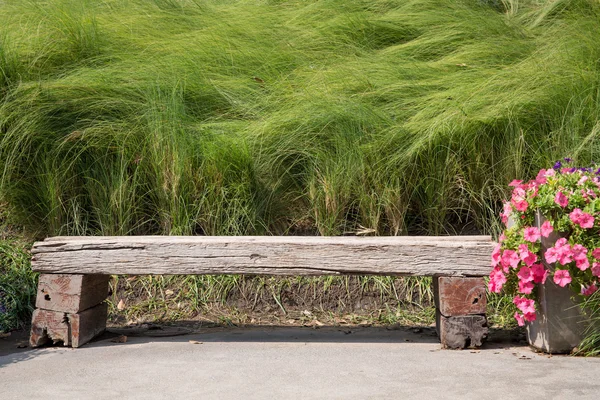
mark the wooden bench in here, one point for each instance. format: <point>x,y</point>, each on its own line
<point>73,284</point>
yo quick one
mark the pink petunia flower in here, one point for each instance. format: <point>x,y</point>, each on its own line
<point>525,287</point>
<point>541,179</point>
<point>586,221</point>
<point>530,317</point>
<point>524,304</point>
<point>575,215</point>
<point>564,255</point>
<point>531,234</point>
<point>497,280</point>
<point>596,253</point>
<point>562,277</point>
<point>560,242</point>
<point>530,259</point>
<point>582,180</point>
<point>578,217</point>
<point>520,205</point>
<point>563,251</point>
<point>547,229</point>
<point>561,199</point>
<point>582,263</point>
<point>551,255</point>
<point>496,255</point>
<point>509,258</point>
<point>591,193</point>
<point>579,251</point>
<point>506,213</point>
<point>539,273</point>
<point>525,274</point>
<point>590,290</point>
<point>519,319</point>
<point>519,193</point>
<point>534,192</point>
<point>515,183</point>
<point>596,269</point>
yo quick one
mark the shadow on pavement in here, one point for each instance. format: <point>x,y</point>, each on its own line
<point>188,331</point>
<point>269,334</point>
<point>15,348</point>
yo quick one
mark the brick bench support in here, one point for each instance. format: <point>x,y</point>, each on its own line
<point>75,271</point>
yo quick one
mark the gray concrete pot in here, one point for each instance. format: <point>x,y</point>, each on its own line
<point>560,322</point>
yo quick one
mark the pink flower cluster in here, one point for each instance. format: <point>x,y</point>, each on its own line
<point>582,219</point>
<point>527,308</point>
<point>570,198</point>
<point>522,190</point>
<point>561,199</point>
<point>518,199</point>
<point>546,229</point>
<point>529,271</point>
<point>596,265</point>
<point>564,253</point>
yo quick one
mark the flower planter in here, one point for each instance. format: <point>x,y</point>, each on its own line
<point>560,323</point>
<point>550,266</point>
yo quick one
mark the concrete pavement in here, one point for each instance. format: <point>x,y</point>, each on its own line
<point>294,363</point>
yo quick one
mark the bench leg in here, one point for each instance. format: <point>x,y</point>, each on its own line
<point>70,309</point>
<point>460,311</point>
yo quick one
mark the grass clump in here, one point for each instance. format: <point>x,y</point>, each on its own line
<point>272,300</point>
<point>17,285</point>
<point>590,346</point>
<point>211,117</point>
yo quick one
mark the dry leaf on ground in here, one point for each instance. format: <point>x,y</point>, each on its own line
<point>120,339</point>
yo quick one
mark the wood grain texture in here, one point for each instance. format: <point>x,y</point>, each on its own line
<point>71,292</point>
<point>265,255</point>
<point>49,326</point>
<point>87,324</point>
<point>461,331</point>
<point>456,296</point>
<point>66,328</point>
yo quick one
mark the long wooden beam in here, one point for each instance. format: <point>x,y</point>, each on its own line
<point>265,255</point>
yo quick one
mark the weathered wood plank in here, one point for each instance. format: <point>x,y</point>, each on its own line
<point>265,255</point>
<point>87,324</point>
<point>49,326</point>
<point>461,331</point>
<point>66,328</point>
<point>457,296</point>
<point>71,292</point>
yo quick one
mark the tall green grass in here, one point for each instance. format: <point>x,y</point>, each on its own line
<point>17,285</point>
<point>590,346</point>
<point>328,117</point>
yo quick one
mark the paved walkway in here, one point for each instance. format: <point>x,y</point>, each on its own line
<point>294,363</point>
